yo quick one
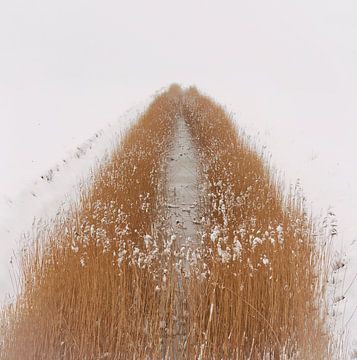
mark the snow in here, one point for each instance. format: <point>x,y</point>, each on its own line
<point>215,233</point>
<point>54,190</point>
<point>288,69</point>
<point>183,191</point>
<point>321,159</point>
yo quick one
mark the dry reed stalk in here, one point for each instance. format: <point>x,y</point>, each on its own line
<point>89,283</point>
<point>102,282</point>
<point>263,296</point>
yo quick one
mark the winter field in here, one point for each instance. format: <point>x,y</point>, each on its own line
<point>181,241</point>
<point>284,73</point>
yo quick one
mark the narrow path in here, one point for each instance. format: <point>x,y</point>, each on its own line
<point>183,189</point>
<point>182,199</point>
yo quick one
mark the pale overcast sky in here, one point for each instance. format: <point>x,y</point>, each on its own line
<point>68,67</point>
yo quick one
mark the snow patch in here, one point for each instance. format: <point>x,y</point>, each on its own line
<point>52,193</point>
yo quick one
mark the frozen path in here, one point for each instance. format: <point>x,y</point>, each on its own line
<point>183,189</point>
<point>182,214</point>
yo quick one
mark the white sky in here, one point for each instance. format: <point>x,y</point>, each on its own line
<point>287,68</point>
<point>68,67</point>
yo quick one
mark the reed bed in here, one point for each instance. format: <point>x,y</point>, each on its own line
<point>263,296</point>
<point>89,283</point>
<point>104,281</point>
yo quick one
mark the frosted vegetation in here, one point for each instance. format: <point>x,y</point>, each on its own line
<point>109,280</point>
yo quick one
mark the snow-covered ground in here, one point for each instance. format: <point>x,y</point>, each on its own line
<point>321,157</point>
<point>52,189</point>
<point>287,68</point>
<point>183,190</point>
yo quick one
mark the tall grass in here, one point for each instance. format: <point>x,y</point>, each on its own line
<point>88,284</point>
<point>105,281</point>
<point>265,293</point>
